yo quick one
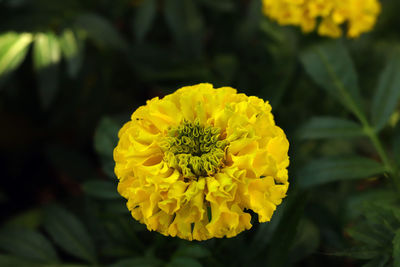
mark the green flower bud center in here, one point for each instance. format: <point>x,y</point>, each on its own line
<point>193,149</point>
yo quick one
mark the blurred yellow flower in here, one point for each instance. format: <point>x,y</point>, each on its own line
<point>359,15</point>
<point>192,163</point>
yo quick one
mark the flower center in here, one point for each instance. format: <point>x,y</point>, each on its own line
<point>193,149</point>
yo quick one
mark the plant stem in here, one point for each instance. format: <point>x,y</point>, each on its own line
<point>372,135</point>
<point>352,104</point>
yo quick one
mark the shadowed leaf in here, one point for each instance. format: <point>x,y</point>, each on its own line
<point>72,49</point>
<point>101,31</point>
<point>329,127</point>
<point>69,233</point>
<point>46,58</point>
<point>144,17</point>
<point>327,170</point>
<point>101,189</point>
<point>387,94</point>
<point>331,67</point>
<point>27,244</point>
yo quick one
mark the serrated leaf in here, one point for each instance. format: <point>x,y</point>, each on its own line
<point>331,67</point>
<point>46,58</point>
<point>380,261</point>
<point>387,93</point>
<point>321,171</point>
<point>144,17</point>
<point>186,24</point>
<point>382,216</point>
<point>142,262</point>
<point>101,189</point>
<point>72,49</point>
<point>69,233</point>
<point>13,49</point>
<point>183,262</point>
<point>362,233</point>
<point>329,127</point>
<point>357,201</point>
<point>396,249</point>
<point>27,244</point>
<point>101,31</point>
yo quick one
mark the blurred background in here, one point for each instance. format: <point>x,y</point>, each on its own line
<point>72,72</point>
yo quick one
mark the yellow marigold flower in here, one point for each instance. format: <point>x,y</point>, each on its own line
<point>192,163</point>
<point>359,15</point>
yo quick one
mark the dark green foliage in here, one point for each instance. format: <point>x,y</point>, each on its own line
<point>330,127</point>
<point>72,72</point>
<point>69,233</point>
<point>325,170</point>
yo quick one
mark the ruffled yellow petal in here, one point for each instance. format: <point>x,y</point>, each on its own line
<point>192,164</point>
<point>359,15</point>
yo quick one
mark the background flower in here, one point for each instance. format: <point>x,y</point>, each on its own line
<point>359,16</point>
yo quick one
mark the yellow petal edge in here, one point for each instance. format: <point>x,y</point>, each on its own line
<point>253,175</point>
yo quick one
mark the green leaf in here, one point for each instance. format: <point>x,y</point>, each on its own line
<point>101,31</point>
<point>226,66</point>
<point>101,189</point>
<point>396,249</point>
<point>46,58</point>
<point>71,162</point>
<point>193,251</point>
<point>30,219</point>
<point>183,262</point>
<point>116,207</point>
<point>321,171</point>
<point>252,21</point>
<point>27,244</point>
<point>72,49</point>
<point>13,49</point>
<point>331,67</point>
<point>142,262</point>
<point>306,241</point>
<point>329,127</point>
<point>11,261</point>
<point>186,24</point>
<point>285,233</point>
<point>396,144</point>
<point>362,233</point>
<point>46,50</point>
<point>355,202</point>
<point>105,140</point>
<point>69,233</point>
<point>379,261</point>
<point>144,17</point>
<point>387,94</point>
<point>362,253</point>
